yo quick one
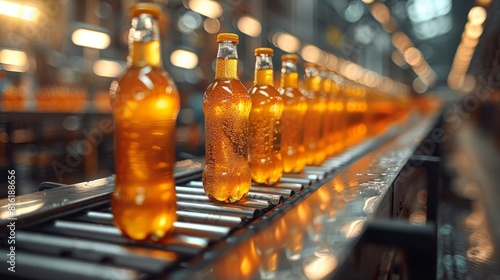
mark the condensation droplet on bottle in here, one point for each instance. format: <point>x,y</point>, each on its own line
<point>139,95</point>
<point>140,196</point>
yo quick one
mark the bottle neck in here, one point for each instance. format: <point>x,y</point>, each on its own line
<point>336,84</point>
<point>263,70</point>
<point>326,83</point>
<point>312,81</point>
<point>143,42</point>
<point>289,74</point>
<point>226,66</point>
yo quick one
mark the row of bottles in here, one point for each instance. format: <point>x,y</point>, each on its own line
<point>61,99</point>
<point>13,99</point>
<point>54,99</point>
<point>256,134</point>
<point>288,127</point>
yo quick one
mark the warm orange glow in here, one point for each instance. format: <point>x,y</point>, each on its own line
<point>352,71</point>
<point>391,26</point>
<point>184,59</point>
<point>469,42</point>
<point>473,31</point>
<point>90,38</point>
<point>465,51</point>
<point>211,25</point>
<point>14,60</point>
<point>413,56</point>
<point>401,41</point>
<point>286,42</point>
<point>208,8</point>
<point>311,53</point>
<point>319,267</point>
<point>484,3</point>
<point>331,62</point>
<point>381,13</point>
<point>250,26</point>
<point>19,11</point>
<point>477,15</point>
<point>107,68</point>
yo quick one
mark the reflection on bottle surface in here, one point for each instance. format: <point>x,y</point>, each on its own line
<point>242,263</point>
<point>268,246</point>
<point>320,265</point>
<point>297,221</point>
<point>321,202</point>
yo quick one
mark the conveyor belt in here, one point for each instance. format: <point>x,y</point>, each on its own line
<point>67,231</point>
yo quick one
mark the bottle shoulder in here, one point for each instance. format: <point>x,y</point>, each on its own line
<point>147,76</point>
<point>222,89</point>
<point>143,81</point>
<point>266,96</point>
<point>290,93</point>
<point>308,94</point>
<point>264,90</point>
<point>323,95</point>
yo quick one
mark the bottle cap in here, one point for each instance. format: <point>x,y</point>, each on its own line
<point>228,37</point>
<point>292,57</point>
<point>145,8</point>
<point>268,51</point>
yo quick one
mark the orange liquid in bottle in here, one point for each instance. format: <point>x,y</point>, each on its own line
<point>326,96</point>
<point>381,109</point>
<point>145,106</point>
<point>226,104</point>
<point>363,113</point>
<point>339,120</point>
<point>313,119</point>
<point>266,164</point>
<point>292,120</point>
<point>356,108</point>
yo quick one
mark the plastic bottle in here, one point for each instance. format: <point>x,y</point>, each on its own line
<point>292,120</point>
<point>145,105</point>
<point>339,118</point>
<point>226,105</point>
<point>266,164</point>
<point>326,97</point>
<point>313,120</point>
